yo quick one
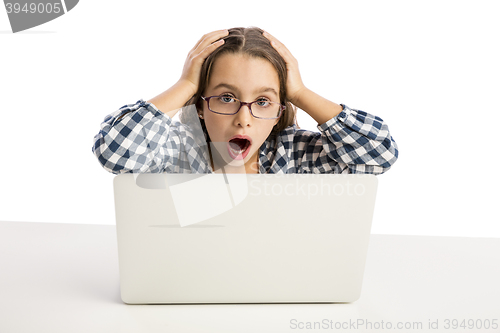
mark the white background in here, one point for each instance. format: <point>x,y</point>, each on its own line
<point>430,69</point>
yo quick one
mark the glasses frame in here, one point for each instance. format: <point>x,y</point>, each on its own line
<point>249,104</point>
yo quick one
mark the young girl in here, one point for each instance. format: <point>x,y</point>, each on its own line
<point>239,88</point>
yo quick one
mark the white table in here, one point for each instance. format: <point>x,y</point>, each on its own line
<point>64,278</point>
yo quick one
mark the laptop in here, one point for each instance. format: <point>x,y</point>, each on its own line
<point>242,238</point>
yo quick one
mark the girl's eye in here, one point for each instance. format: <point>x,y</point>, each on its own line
<point>262,102</point>
<point>226,98</point>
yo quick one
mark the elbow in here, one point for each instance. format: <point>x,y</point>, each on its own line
<point>118,159</point>
<point>388,158</point>
<point>104,156</point>
<point>378,160</point>
<point>112,159</point>
<point>383,168</point>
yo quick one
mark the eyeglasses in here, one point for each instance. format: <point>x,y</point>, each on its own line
<point>227,105</point>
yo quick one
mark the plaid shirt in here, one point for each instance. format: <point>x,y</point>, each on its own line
<point>145,140</point>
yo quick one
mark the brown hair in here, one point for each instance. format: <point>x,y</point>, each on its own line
<point>248,41</point>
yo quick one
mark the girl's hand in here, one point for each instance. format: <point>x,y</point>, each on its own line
<point>192,67</point>
<point>294,85</point>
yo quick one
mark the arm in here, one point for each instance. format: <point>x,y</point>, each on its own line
<point>319,108</point>
<point>351,140</point>
<point>130,139</point>
<point>173,99</point>
<point>138,138</point>
<point>356,139</point>
<point>360,140</point>
<point>141,138</point>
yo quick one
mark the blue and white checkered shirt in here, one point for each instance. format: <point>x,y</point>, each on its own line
<point>146,140</point>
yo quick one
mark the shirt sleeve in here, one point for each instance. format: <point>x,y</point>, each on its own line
<point>359,140</point>
<point>139,138</point>
<point>354,141</point>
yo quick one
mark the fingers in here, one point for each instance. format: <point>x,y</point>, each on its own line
<point>197,55</point>
<point>208,39</point>
<point>279,46</point>
<point>210,48</point>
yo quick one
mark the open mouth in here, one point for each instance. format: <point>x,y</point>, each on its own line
<point>238,148</point>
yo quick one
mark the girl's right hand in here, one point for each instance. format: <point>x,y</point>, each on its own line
<point>192,67</point>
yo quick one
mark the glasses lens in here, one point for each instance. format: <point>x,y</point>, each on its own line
<point>262,108</point>
<point>266,109</point>
<point>224,104</point>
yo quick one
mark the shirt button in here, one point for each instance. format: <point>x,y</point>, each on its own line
<point>342,114</point>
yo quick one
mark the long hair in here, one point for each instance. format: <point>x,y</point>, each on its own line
<point>248,41</point>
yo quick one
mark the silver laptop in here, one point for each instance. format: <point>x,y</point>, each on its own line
<point>242,238</point>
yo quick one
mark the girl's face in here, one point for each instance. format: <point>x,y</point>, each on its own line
<point>247,79</point>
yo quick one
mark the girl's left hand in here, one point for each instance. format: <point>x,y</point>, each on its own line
<point>294,85</point>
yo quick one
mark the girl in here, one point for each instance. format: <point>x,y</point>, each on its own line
<point>239,88</point>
